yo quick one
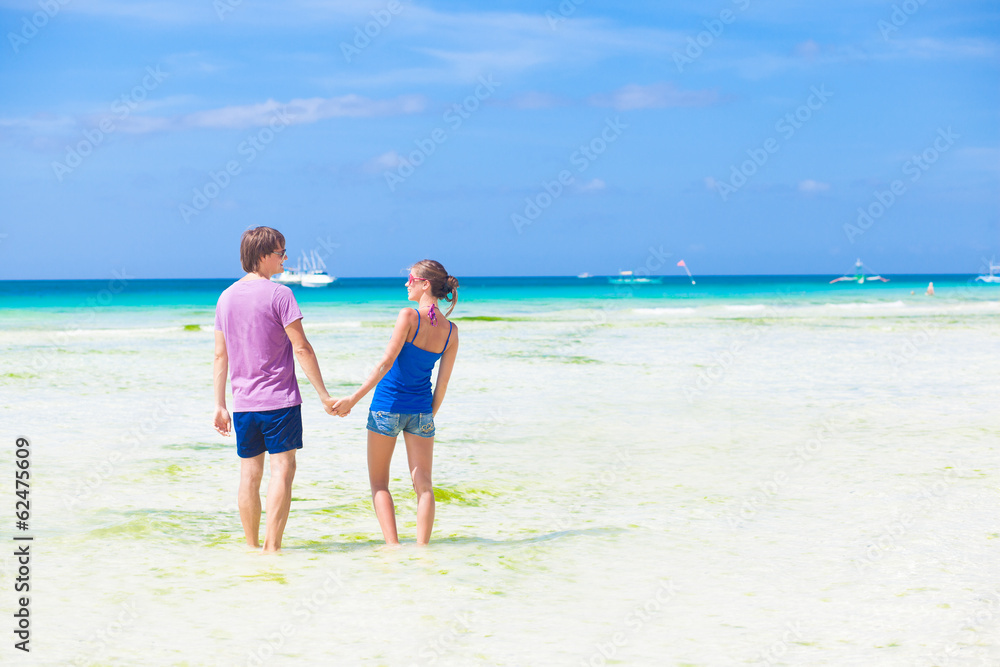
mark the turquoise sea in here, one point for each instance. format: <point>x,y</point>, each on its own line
<point>127,302</point>
<point>749,470</point>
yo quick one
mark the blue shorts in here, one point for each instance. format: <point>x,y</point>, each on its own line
<point>273,430</point>
<point>391,423</point>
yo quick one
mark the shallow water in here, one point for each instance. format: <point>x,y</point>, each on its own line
<point>752,480</point>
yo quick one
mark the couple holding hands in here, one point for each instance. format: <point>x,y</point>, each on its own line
<point>258,335</point>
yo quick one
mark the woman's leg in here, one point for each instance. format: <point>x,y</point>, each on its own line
<point>380,449</point>
<point>420,455</point>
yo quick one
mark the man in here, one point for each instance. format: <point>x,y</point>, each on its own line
<point>258,333</point>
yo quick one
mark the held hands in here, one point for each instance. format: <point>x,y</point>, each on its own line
<point>342,406</point>
<point>338,407</point>
<point>222,421</point>
<point>328,404</point>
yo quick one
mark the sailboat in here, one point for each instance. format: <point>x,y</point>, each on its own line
<point>315,274</point>
<point>992,276</point>
<point>859,276</point>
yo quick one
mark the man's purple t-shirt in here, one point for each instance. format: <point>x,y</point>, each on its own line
<point>252,315</point>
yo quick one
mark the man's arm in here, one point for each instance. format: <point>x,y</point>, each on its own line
<point>221,369</point>
<point>307,359</point>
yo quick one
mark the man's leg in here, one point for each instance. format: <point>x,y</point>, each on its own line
<point>279,498</point>
<point>248,499</point>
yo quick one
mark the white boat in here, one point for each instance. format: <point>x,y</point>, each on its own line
<point>585,275</point>
<point>859,276</point>
<point>289,276</point>
<point>314,274</point>
<point>993,276</point>
<point>628,278</point>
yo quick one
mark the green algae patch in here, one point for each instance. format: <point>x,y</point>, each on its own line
<point>19,376</point>
<point>276,577</point>
<point>160,469</point>
<point>138,526</point>
<point>198,445</point>
<point>356,537</point>
<point>218,540</point>
<point>360,507</point>
<point>756,321</point>
<point>322,543</point>
<point>580,360</point>
<point>192,327</point>
<point>490,318</point>
<point>462,495</point>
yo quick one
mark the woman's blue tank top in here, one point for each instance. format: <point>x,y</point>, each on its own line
<point>406,388</point>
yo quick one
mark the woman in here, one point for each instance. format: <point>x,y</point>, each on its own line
<point>403,399</point>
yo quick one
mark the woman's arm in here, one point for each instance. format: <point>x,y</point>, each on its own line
<point>444,371</point>
<point>406,320</point>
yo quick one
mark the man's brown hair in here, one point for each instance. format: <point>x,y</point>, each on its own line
<point>256,244</point>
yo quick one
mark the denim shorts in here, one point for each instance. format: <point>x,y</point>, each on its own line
<point>273,430</point>
<point>391,423</point>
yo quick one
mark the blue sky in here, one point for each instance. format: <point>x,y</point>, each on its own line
<point>539,138</point>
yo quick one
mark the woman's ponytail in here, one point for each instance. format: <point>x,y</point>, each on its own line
<point>451,283</point>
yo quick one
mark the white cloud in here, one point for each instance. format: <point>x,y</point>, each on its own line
<point>200,11</point>
<point>654,96</point>
<point>810,186</point>
<point>594,185</point>
<point>808,49</point>
<point>753,61</point>
<point>40,123</point>
<point>301,111</point>
<point>939,49</point>
<point>535,100</point>
<point>459,47</point>
<point>455,46</point>
<point>986,158</point>
<point>389,160</point>
<point>261,114</point>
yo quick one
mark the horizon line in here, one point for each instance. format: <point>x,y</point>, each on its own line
<point>470,277</point>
